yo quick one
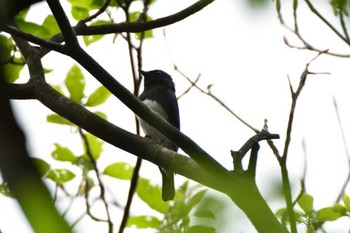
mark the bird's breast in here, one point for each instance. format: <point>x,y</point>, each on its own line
<point>155,106</point>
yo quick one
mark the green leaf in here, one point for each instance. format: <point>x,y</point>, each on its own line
<point>11,72</point>
<point>60,176</point>
<point>339,208</point>
<point>58,89</point>
<point>119,170</point>
<point>63,154</point>
<point>42,166</point>
<point>142,222</point>
<point>346,201</point>
<point>95,146</point>
<point>5,190</point>
<point>34,29</point>
<point>75,83</point>
<point>195,199</point>
<point>22,14</point>
<point>47,71</point>
<point>6,46</point>
<point>79,13</point>
<point>339,6</point>
<point>179,210</point>
<point>201,229</point>
<point>101,114</point>
<point>331,213</point>
<point>57,119</point>
<point>99,96</point>
<point>151,195</point>
<point>146,35</point>
<point>204,214</point>
<point>93,38</point>
<point>306,202</point>
<point>98,3</point>
<point>79,3</point>
<point>51,25</point>
<point>283,214</point>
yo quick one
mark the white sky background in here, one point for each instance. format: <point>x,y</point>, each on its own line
<point>241,52</point>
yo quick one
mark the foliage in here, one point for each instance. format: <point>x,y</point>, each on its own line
<point>314,219</point>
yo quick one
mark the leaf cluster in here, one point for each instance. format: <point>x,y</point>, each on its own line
<point>312,218</point>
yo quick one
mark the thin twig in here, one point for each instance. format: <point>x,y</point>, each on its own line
<point>318,14</point>
<point>295,29</point>
<point>303,178</point>
<point>132,189</point>
<point>89,206</point>
<point>208,93</point>
<point>193,84</point>
<point>345,149</point>
<point>137,82</point>
<point>295,95</point>
<point>283,160</point>
<point>100,183</point>
<point>100,11</point>
<point>343,25</point>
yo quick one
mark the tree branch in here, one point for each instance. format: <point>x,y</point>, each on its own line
<point>239,155</point>
<point>69,36</point>
<point>82,29</point>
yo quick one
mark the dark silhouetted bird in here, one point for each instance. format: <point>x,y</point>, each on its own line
<point>159,95</point>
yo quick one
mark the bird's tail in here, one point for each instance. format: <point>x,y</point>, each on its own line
<point>168,190</point>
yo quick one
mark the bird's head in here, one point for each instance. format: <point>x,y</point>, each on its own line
<point>157,77</point>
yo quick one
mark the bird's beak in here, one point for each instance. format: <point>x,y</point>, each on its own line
<point>143,72</point>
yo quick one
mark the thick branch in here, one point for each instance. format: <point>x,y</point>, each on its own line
<point>155,120</point>
<point>82,29</point>
<point>63,22</point>
<point>238,188</point>
<point>140,27</point>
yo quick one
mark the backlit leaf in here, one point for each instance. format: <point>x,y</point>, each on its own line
<point>89,39</point>
<point>11,72</point>
<point>60,176</point>
<point>63,154</point>
<point>331,213</point>
<point>75,83</point>
<point>119,170</point>
<point>151,195</point>
<point>42,166</point>
<point>306,203</point>
<point>57,119</point>
<point>99,96</point>
<point>143,222</point>
<point>95,146</point>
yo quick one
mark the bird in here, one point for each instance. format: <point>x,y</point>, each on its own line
<point>159,95</point>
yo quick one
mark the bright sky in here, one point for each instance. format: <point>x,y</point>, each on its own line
<point>241,51</point>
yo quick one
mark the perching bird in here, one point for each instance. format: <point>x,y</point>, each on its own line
<point>159,95</point>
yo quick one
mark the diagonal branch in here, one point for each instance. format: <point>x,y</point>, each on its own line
<point>82,29</point>
<point>208,93</point>
<point>70,39</point>
<point>140,109</point>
